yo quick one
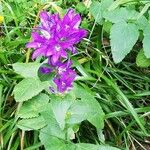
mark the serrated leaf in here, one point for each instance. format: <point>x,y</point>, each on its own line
<point>33,107</point>
<point>27,70</point>
<point>123,37</point>
<point>31,124</point>
<point>28,88</point>
<point>52,136</point>
<point>141,60</point>
<point>86,146</point>
<point>60,107</point>
<point>120,14</point>
<point>78,112</point>
<point>52,124</point>
<point>86,108</point>
<point>97,9</point>
<point>96,114</point>
<point>54,143</point>
<point>146,41</point>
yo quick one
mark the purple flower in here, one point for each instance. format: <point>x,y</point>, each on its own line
<point>64,67</point>
<point>55,36</point>
<point>65,76</point>
<point>46,70</point>
<point>65,80</point>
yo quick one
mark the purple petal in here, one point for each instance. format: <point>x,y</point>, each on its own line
<point>55,58</point>
<point>46,34</point>
<point>76,22</point>
<point>49,52</point>
<point>45,70</point>
<point>36,37</point>
<point>64,54</point>
<point>73,49</point>
<point>39,52</point>
<point>75,37</point>
<point>44,16</point>
<point>71,19</point>
<point>33,45</point>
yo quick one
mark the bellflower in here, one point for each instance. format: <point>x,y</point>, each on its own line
<point>55,36</point>
<point>65,80</point>
<point>46,70</point>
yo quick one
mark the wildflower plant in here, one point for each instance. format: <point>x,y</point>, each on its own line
<point>56,112</point>
<point>53,39</point>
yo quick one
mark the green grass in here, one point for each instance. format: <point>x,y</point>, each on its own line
<point>122,90</point>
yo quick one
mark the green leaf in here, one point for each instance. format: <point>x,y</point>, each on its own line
<point>97,9</point>
<point>54,143</point>
<point>123,37</point>
<point>96,114</point>
<point>107,26</point>
<point>120,14</point>
<point>86,107</point>
<point>78,112</point>
<point>146,41</point>
<point>27,70</point>
<point>142,22</point>
<point>28,88</point>
<point>31,124</point>
<point>141,60</point>
<point>52,127</point>
<point>85,146</point>
<point>50,141</point>
<point>117,3</point>
<point>60,106</point>
<point>33,107</point>
<point>52,136</point>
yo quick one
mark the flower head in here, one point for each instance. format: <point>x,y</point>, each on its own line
<point>55,36</point>
<point>65,80</point>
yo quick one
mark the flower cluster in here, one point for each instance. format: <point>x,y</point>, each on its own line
<point>54,38</point>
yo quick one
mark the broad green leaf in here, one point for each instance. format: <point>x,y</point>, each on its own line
<point>97,9</point>
<point>54,143</point>
<point>86,108</point>
<point>96,114</point>
<point>31,124</point>
<point>33,107</point>
<point>52,136</point>
<point>27,70</point>
<point>123,37</point>
<point>86,146</point>
<point>146,41</point>
<point>142,22</point>
<point>120,14</point>
<point>52,127</point>
<point>28,88</point>
<point>117,3</point>
<point>141,60</point>
<point>60,106</point>
<point>78,112</point>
